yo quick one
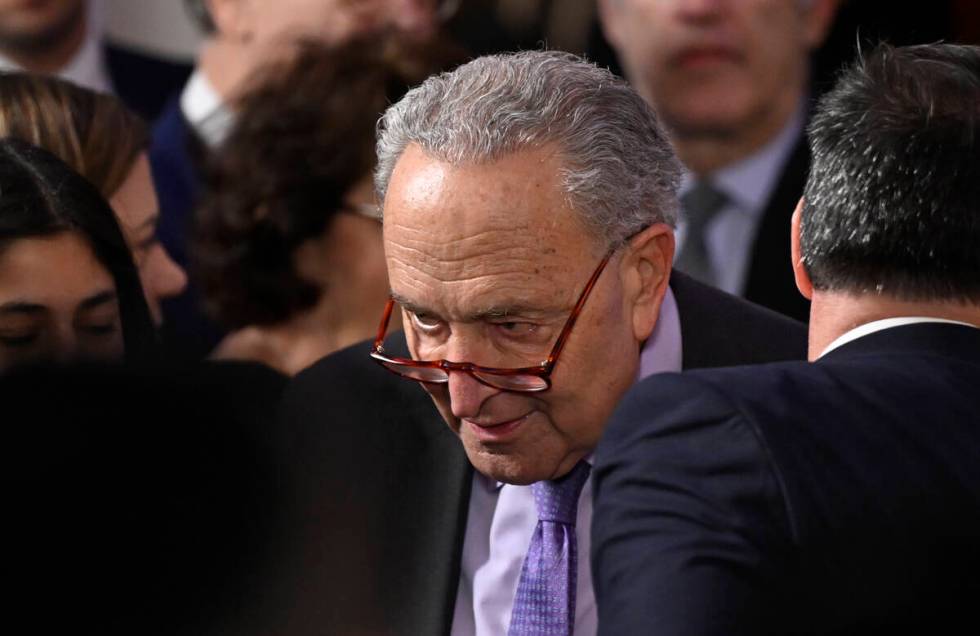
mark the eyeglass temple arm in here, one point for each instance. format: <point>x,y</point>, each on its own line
<point>563,336</point>
<point>383,327</point>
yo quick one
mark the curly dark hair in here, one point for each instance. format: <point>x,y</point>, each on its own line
<point>303,138</point>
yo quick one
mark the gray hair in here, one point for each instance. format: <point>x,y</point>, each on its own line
<point>619,171</point>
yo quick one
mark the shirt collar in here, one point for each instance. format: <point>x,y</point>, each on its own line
<point>205,111</point>
<point>749,182</point>
<point>880,325</point>
<point>86,68</point>
<point>662,352</point>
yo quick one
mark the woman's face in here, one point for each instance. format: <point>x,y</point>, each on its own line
<point>57,302</point>
<point>135,205</point>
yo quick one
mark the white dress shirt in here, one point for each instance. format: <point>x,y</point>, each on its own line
<point>86,68</point>
<point>502,518</point>
<point>749,185</point>
<point>887,323</point>
<point>205,111</point>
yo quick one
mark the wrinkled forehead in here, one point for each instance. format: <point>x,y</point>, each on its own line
<point>484,234</point>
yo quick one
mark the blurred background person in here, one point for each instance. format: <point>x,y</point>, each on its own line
<point>288,245</point>
<point>68,286</point>
<point>731,80</point>
<point>61,37</point>
<point>288,250</point>
<point>241,37</point>
<point>106,143</point>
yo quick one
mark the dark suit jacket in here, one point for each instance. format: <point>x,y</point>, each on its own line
<point>381,485</point>
<point>177,160</point>
<point>143,82</point>
<point>830,498</point>
<point>770,280</point>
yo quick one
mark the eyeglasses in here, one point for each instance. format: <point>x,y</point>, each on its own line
<point>524,379</point>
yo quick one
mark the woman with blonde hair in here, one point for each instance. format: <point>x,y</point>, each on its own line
<point>97,136</point>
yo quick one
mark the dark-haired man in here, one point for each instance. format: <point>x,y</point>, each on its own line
<point>841,496</point>
<point>58,37</point>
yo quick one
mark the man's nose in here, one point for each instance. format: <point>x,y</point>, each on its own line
<point>467,394</point>
<point>699,9</point>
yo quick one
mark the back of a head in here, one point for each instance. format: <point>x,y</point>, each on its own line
<point>40,196</point>
<point>92,132</point>
<point>892,205</point>
<point>619,171</point>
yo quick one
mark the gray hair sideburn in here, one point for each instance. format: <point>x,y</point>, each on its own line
<point>619,171</point>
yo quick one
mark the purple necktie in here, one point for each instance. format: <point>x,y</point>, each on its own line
<point>545,600</point>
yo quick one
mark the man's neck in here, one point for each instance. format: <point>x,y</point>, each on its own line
<point>705,151</point>
<point>220,61</point>
<point>832,314</point>
<point>51,60</point>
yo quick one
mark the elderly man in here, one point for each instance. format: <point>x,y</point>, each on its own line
<point>730,78</point>
<point>843,496</point>
<point>528,209</point>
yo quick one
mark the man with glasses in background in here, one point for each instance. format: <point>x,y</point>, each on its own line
<point>528,205</point>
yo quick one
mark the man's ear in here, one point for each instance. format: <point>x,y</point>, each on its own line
<point>646,275</point>
<point>820,16</point>
<point>803,282</point>
<point>610,18</point>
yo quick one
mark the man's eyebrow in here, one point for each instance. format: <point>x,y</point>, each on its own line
<point>517,311</point>
<point>21,307</point>
<point>409,305</point>
<point>490,313</point>
<point>95,300</point>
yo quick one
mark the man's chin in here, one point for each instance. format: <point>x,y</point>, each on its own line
<point>507,468</point>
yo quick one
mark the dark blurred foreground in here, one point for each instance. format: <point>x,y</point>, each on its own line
<point>140,502</point>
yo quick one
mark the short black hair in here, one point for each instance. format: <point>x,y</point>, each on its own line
<point>41,196</point>
<point>892,203</point>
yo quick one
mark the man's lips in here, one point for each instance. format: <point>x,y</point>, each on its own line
<point>495,431</point>
<point>704,56</point>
